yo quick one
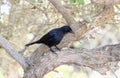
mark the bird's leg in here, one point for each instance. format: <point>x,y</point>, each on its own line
<point>51,49</point>
<point>57,48</point>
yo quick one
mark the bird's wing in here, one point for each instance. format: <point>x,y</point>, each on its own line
<point>47,37</point>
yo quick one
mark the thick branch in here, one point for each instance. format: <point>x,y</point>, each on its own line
<point>11,51</point>
<point>96,59</point>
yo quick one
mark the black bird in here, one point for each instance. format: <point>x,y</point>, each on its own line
<point>53,37</point>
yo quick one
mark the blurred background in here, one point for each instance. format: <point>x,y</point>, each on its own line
<point>21,22</point>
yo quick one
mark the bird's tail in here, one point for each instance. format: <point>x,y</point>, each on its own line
<point>30,44</point>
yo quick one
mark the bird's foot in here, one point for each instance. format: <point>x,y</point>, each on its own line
<point>53,51</point>
<point>58,48</point>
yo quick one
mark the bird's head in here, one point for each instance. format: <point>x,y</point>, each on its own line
<point>66,29</point>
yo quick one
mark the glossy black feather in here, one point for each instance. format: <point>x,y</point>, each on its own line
<point>53,37</point>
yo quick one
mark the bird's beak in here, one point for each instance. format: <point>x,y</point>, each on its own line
<point>72,32</point>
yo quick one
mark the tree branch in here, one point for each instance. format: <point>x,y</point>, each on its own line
<point>12,52</point>
<point>96,59</point>
<point>64,11</point>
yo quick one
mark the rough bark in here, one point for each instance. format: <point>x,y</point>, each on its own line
<point>96,59</point>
